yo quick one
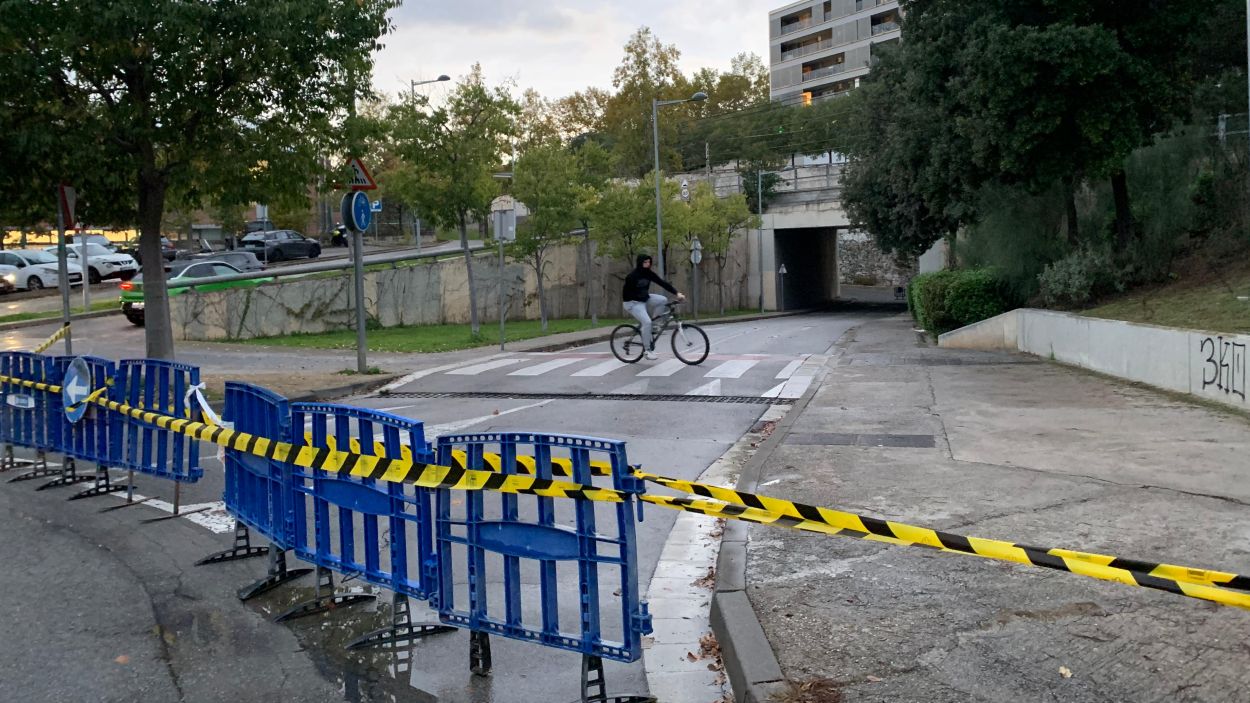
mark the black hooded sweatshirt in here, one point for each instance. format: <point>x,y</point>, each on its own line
<point>638,282</point>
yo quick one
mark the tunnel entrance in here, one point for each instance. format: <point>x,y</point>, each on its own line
<point>810,258</point>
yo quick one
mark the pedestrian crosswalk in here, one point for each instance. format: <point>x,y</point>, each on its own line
<point>758,375</point>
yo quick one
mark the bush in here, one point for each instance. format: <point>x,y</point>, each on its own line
<point>1080,277</point>
<point>945,300</point>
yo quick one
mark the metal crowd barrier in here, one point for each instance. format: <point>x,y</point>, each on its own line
<point>25,413</point>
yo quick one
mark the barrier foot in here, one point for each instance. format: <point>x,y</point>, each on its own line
<point>41,470</point>
<point>479,653</point>
<point>595,686</point>
<point>402,631</point>
<point>69,476</point>
<point>278,575</point>
<point>322,603</point>
<point>242,548</point>
<point>10,462</point>
<point>103,486</point>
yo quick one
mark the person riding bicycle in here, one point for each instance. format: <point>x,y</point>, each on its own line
<point>641,303</point>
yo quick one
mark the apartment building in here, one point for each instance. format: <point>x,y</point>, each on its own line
<point>822,48</point>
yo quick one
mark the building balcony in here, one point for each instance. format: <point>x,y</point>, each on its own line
<point>819,73</point>
<point>821,45</point>
<point>801,24</point>
<point>884,27</point>
<point>861,5</point>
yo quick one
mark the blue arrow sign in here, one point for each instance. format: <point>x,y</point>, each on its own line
<point>75,388</point>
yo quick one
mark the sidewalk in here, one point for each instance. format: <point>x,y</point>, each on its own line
<point>996,446</point>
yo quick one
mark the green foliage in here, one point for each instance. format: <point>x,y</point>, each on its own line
<point>945,300</point>
<point>1081,276</point>
<point>545,180</point>
<point>1018,234</point>
<point>622,220</point>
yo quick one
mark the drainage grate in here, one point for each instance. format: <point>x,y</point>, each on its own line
<point>731,399</point>
<point>914,441</point>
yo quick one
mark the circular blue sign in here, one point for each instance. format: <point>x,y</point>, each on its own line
<point>75,387</point>
<point>362,211</point>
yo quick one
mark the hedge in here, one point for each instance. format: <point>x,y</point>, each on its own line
<point>945,300</point>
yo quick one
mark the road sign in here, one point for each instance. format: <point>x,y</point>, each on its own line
<point>24,402</point>
<point>782,271</point>
<point>356,211</point>
<point>75,388</point>
<point>685,189</point>
<point>361,178</point>
<point>377,206</point>
<point>68,199</point>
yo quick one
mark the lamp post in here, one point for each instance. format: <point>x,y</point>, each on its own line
<point>412,85</point>
<point>655,133</point>
<point>696,257</point>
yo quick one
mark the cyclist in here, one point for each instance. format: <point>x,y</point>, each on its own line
<point>640,302</point>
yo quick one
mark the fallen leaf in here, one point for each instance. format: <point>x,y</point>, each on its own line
<point>496,412</point>
<point>874,679</point>
<point>1065,672</point>
<point>122,659</point>
<point>691,657</point>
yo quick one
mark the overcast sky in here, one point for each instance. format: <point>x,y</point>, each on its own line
<point>559,46</point>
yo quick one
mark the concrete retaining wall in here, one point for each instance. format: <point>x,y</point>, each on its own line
<point>1205,364</point>
<point>436,292</point>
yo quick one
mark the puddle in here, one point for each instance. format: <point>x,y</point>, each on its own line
<point>363,676</point>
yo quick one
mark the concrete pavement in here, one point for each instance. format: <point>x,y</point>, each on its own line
<point>1000,446</point>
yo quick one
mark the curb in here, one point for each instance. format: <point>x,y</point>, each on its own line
<point>752,666</point>
<point>322,395</point>
<point>22,324</point>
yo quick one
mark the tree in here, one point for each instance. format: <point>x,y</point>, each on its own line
<point>622,220</point>
<point>198,101</point>
<point>582,112</point>
<point>452,151</point>
<point>545,179</point>
<point>733,215</point>
<point>539,123</point>
<point>649,70</point>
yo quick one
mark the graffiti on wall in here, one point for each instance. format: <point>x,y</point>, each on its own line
<point>1223,365</point>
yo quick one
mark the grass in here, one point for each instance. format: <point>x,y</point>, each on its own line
<point>430,338</point>
<point>1205,302</point>
<point>54,314</point>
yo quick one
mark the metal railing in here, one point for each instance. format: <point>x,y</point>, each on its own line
<point>796,26</point>
<point>884,27</point>
<point>822,72</point>
<point>807,49</point>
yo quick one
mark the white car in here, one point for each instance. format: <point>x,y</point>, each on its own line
<point>36,269</point>
<point>102,263</point>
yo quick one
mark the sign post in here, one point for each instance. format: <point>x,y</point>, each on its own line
<point>503,218</point>
<point>696,258</point>
<point>781,289</point>
<point>66,199</point>
<point>357,215</point>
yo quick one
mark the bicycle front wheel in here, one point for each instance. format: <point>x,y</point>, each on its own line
<point>626,343</point>
<point>690,343</point>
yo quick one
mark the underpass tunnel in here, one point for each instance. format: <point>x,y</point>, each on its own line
<point>809,256</point>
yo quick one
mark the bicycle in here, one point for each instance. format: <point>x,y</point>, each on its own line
<point>690,342</point>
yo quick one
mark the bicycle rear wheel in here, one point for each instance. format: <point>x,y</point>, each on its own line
<point>626,343</point>
<point>690,343</point>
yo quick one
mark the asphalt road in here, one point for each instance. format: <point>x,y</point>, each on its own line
<point>146,582</point>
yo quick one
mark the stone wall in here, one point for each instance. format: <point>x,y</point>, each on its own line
<point>436,292</point>
<point>862,263</point>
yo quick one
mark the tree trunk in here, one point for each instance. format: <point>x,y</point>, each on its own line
<point>1123,211</point>
<point>951,260</point>
<point>720,284</point>
<point>1069,197</point>
<point>157,329</point>
<point>474,324</point>
<point>542,291</point>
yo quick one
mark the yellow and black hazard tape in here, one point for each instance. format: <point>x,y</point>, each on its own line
<point>56,337</point>
<point>1215,586</point>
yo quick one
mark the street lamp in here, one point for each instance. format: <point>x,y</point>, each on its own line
<point>412,85</point>
<point>655,132</point>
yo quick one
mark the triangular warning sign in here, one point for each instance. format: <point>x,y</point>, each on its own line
<point>361,178</point>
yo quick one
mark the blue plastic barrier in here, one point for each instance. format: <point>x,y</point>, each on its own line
<point>94,438</point>
<point>258,490</point>
<point>499,534</point>
<point>26,413</point>
<point>158,386</point>
<point>381,531</point>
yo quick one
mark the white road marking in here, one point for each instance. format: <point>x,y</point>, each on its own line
<point>789,370</point>
<point>432,431</point>
<point>665,368</point>
<point>479,368</point>
<point>712,388</point>
<point>637,388</point>
<point>774,392</point>
<point>416,375</point>
<point>603,368</point>
<point>731,369</point>
<point>540,369</point>
<point>796,387</point>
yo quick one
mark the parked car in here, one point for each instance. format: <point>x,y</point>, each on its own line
<point>181,276</point>
<point>99,239</point>
<point>168,251</point>
<point>244,261</point>
<point>280,245</point>
<point>101,263</point>
<point>37,269</point>
<point>8,278</point>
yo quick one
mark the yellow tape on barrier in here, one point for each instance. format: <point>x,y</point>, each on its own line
<point>715,501</point>
<point>56,337</point>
